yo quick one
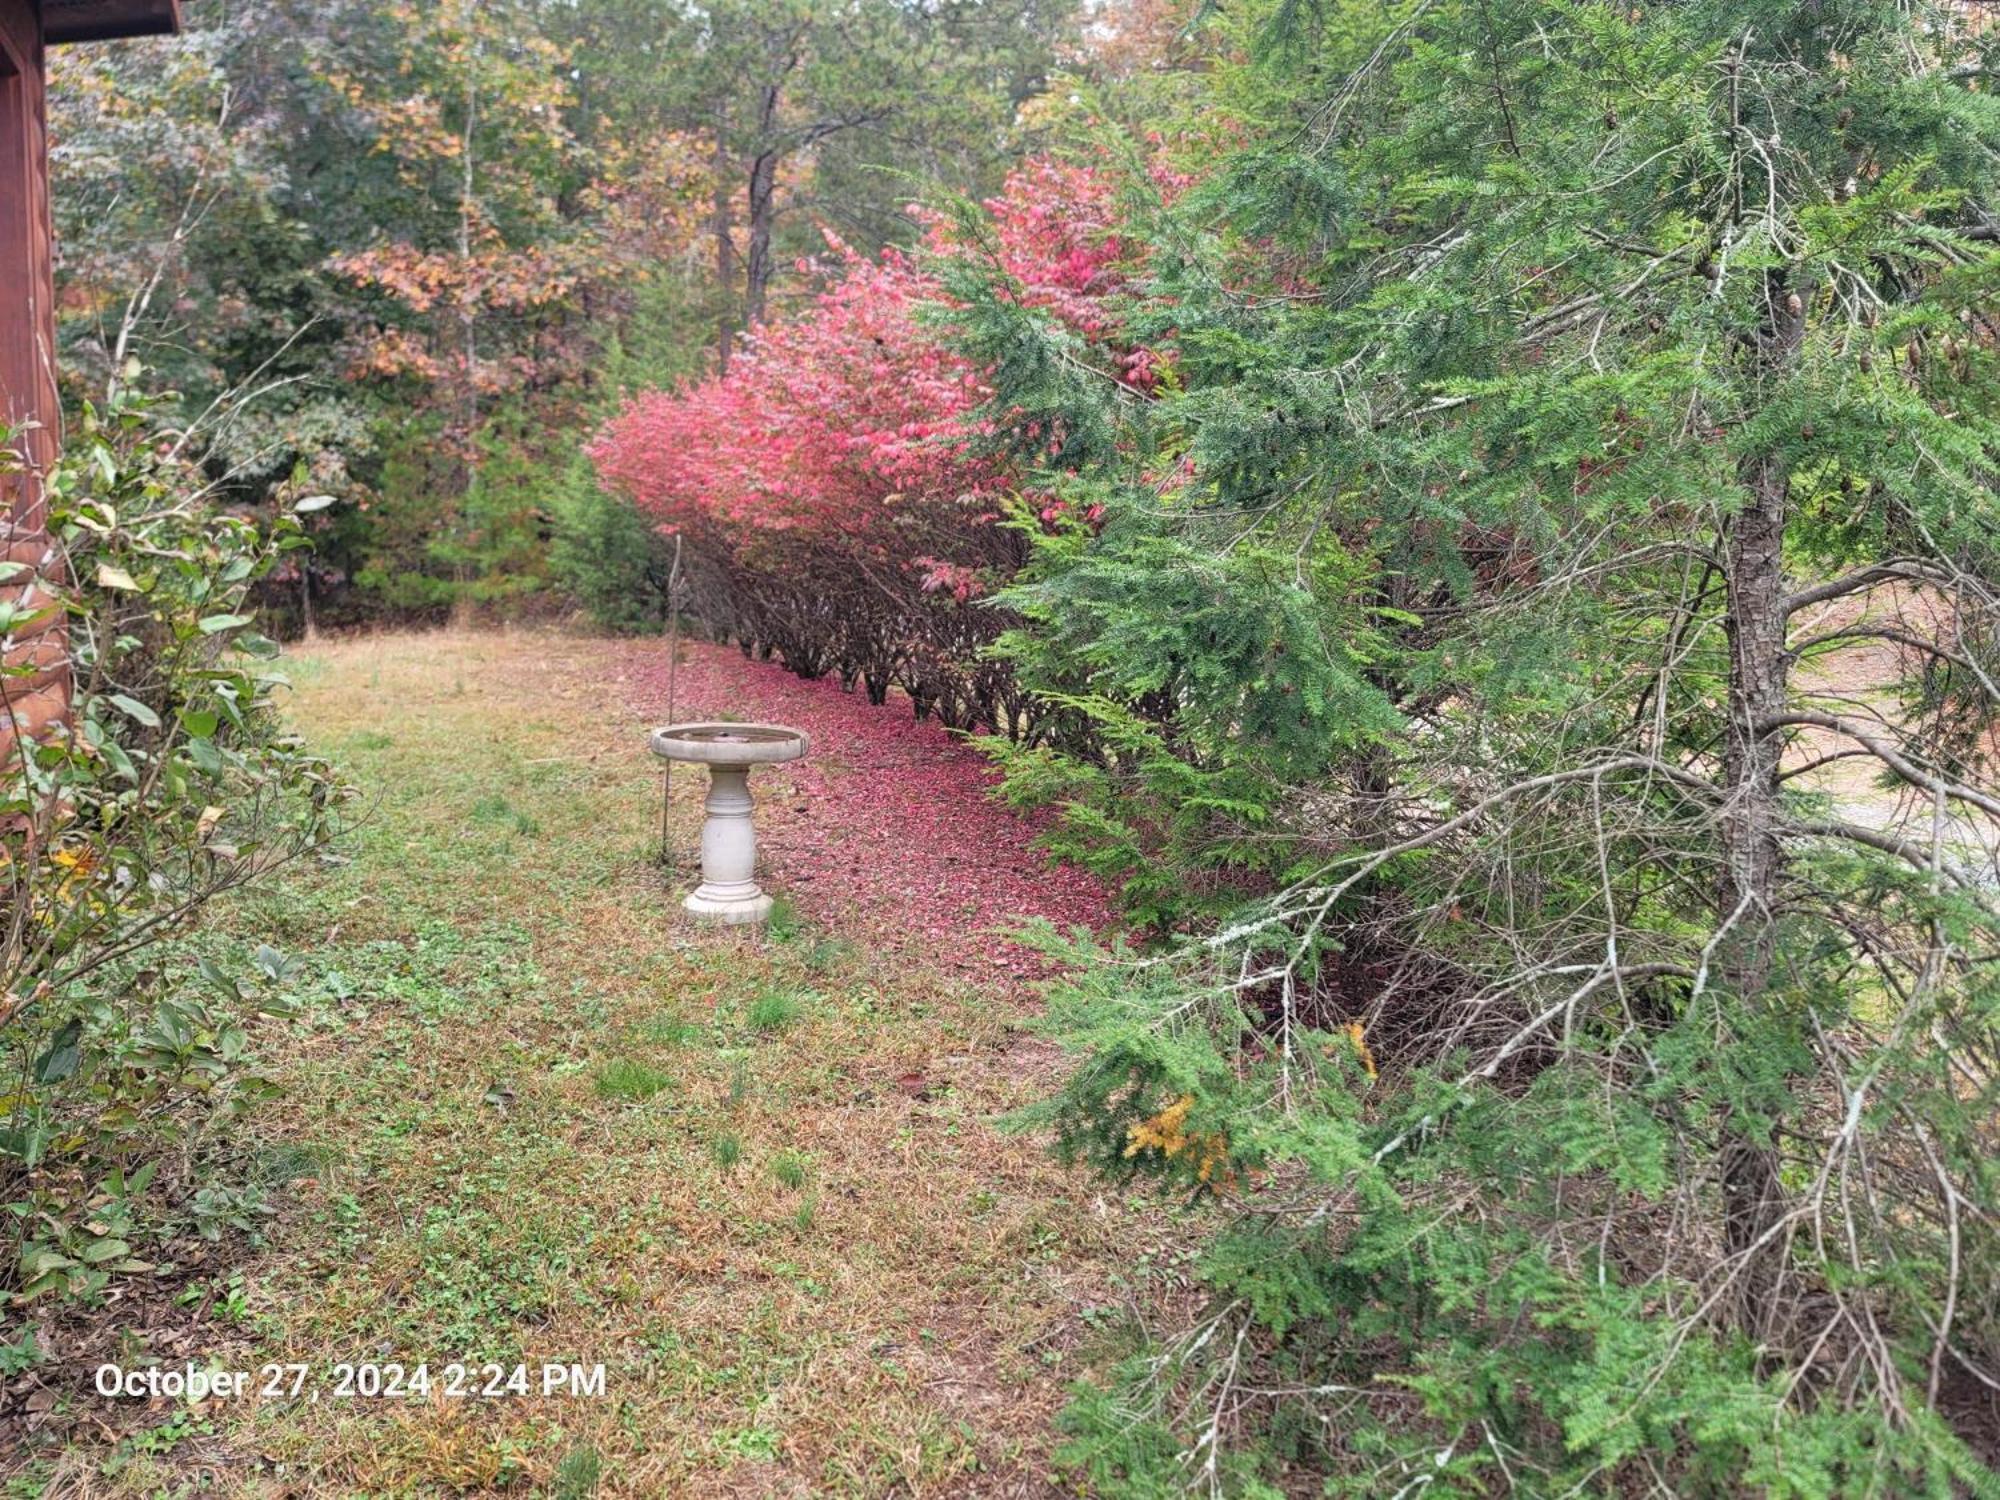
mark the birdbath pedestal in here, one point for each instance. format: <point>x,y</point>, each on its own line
<point>728,891</point>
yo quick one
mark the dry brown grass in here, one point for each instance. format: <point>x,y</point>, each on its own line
<point>903,1322</point>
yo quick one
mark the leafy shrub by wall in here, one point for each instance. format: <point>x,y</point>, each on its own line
<point>175,783</point>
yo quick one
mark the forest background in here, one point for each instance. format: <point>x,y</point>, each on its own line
<point>409,256</point>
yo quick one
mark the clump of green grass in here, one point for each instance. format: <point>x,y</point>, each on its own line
<point>495,809</point>
<point>669,1031</point>
<point>783,924</point>
<point>623,1078</point>
<point>825,954</point>
<point>802,1216</point>
<point>774,1011</point>
<point>727,1149</point>
<point>790,1169</point>
<point>577,1476</point>
<point>492,808</point>
<point>820,952</point>
<point>739,1083</point>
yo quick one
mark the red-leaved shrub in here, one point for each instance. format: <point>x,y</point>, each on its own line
<point>839,487</point>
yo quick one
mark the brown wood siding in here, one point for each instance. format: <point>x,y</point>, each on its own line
<point>27,376</point>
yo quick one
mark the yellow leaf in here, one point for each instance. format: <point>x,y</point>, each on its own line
<point>1356,1035</point>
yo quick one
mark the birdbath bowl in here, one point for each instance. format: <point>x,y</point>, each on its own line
<point>728,891</point>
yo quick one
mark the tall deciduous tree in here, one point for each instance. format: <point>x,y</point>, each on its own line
<point>836,110</point>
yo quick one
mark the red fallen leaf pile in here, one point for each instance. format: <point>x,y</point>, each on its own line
<point>886,832</point>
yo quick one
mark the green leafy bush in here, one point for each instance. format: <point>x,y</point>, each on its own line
<point>175,784</point>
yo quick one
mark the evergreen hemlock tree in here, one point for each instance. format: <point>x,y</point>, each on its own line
<point>1609,1107</point>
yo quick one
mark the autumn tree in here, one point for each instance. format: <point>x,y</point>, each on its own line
<point>842,505</point>
<point>815,112</point>
<point>371,246</point>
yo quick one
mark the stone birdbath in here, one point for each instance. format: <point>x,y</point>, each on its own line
<point>728,891</point>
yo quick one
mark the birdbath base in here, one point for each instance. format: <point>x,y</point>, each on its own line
<point>729,909</point>
<point>729,892</point>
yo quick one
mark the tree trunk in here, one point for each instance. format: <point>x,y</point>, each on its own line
<point>725,248</point>
<point>310,621</point>
<point>468,316</point>
<point>1753,854</point>
<point>763,214</point>
<point>763,204</point>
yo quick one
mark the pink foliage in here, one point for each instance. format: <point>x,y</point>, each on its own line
<point>821,425</point>
<point>839,489</point>
<point>1056,225</point>
<point>836,423</point>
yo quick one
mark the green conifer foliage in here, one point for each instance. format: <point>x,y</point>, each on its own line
<point>1576,478</point>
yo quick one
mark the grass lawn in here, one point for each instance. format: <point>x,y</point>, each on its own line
<point>529,1113</point>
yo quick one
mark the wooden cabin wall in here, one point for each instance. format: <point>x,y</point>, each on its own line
<point>27,381</point>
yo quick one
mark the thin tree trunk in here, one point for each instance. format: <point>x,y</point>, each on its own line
<point>725,249</point>
<point>763,216</point>
<point>763,204</point>
<point>468,318</point>
<point>1753,854</point>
